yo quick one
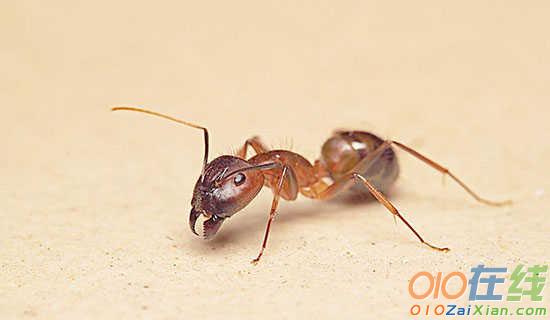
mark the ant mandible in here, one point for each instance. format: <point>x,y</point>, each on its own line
<point>349,159</point>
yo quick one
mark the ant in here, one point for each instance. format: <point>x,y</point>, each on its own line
<point>351,161</point>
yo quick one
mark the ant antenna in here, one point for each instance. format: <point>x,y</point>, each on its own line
<point>189,124</point>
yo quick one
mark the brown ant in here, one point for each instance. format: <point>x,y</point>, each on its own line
<point>355,161</point>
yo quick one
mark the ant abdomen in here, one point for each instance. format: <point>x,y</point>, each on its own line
<point>343,152</point>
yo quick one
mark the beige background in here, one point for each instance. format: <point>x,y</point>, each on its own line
<point>94,204</point>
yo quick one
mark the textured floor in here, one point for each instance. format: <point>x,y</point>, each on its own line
<point>94,204</point>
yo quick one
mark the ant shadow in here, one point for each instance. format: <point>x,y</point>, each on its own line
<point>255,223</point>
<point>244,230</point>
<point>301,211</point>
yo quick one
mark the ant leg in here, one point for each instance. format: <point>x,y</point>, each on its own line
<point>348,180</point>
<point>253,142</point>
<point>371,158</point>
<point>446,171</point>
<point>274,204</point>
<point>366,162</point>
<point>319,190</point>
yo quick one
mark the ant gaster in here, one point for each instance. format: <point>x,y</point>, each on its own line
<point>351,161</point>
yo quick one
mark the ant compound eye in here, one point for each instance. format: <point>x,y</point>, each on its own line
<point>239,179</point>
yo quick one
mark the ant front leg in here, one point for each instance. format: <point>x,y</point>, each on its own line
<point>256,144</point>
<point>285,173</point>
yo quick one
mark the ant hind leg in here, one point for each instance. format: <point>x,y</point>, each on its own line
<point>446,171</point>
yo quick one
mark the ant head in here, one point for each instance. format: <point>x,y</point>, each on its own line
<point>226,186</point>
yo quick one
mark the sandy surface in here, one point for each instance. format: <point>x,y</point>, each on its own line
<point>94,204</point>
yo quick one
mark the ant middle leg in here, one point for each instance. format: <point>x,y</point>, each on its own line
<point>348,180</point>
<point>256,144</point>
<point>319,189</point>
